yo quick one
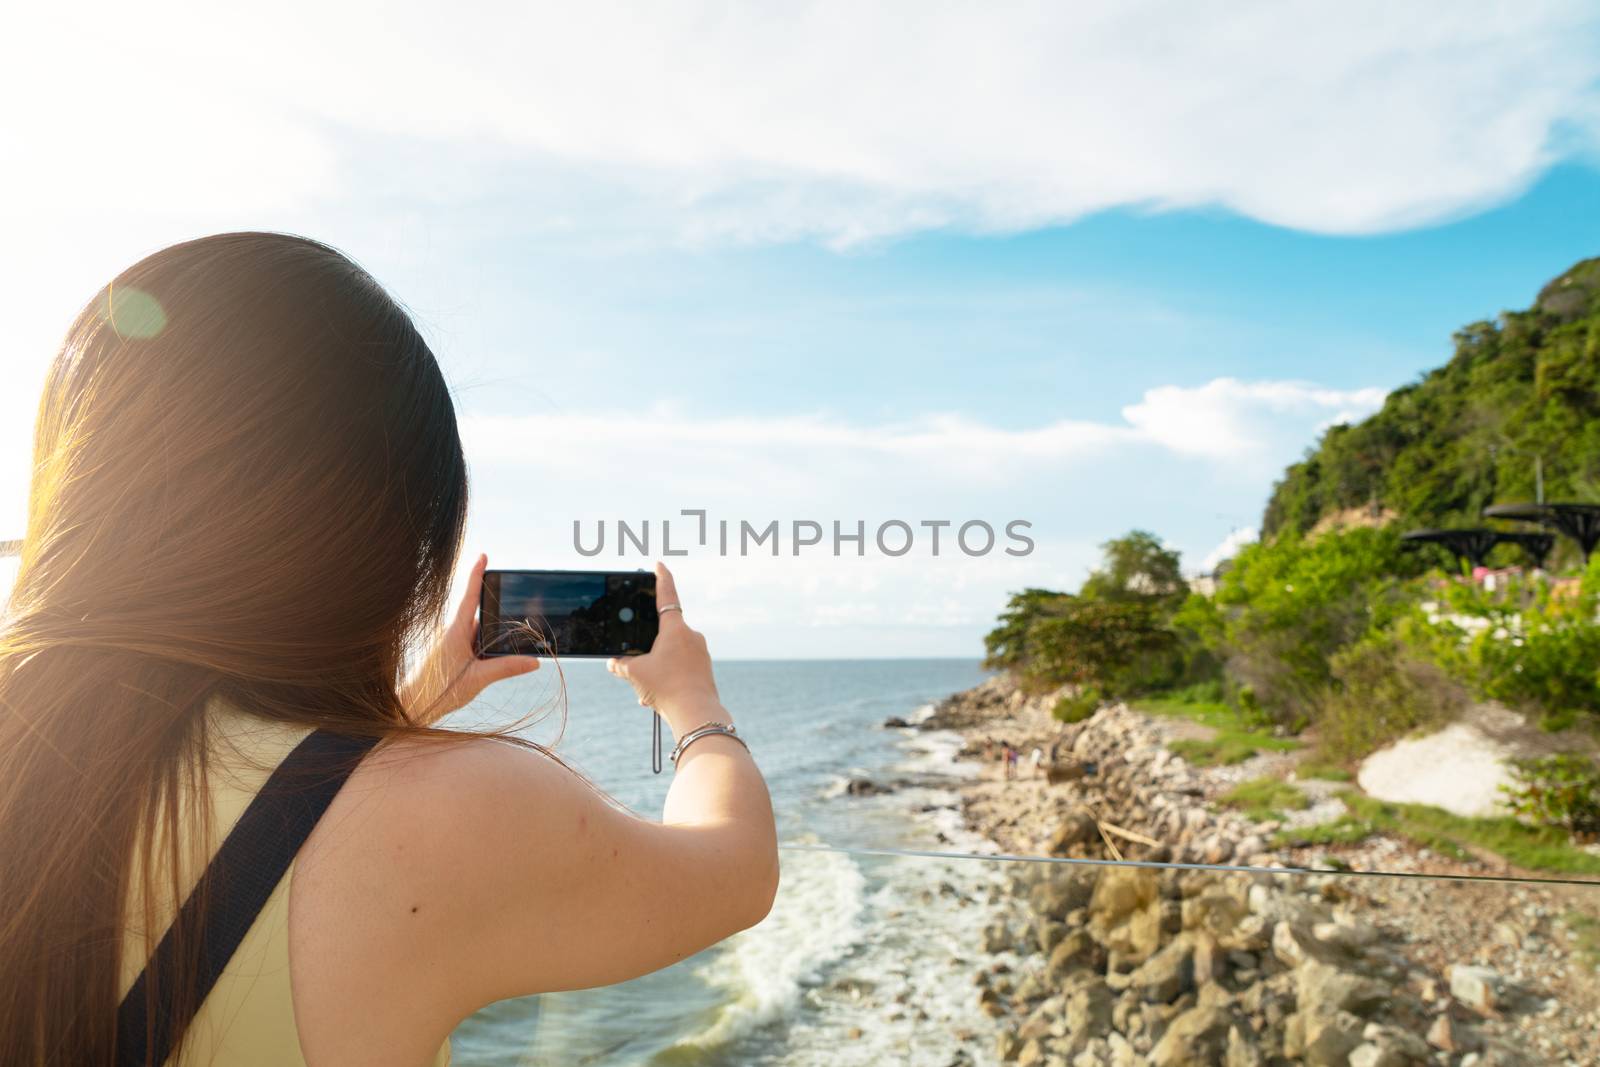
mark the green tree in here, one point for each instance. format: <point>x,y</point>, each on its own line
<point>1137,569</point>
<point>1096,643</point>
<point>1007,646</point>
<point>1520,394</point>
<point>1115,634</point>
<point>1287,605</point>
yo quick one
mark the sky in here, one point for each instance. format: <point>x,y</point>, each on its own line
<point>1091,268</point>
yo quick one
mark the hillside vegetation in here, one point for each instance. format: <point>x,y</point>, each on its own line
<point>1344,637</point>
<point>1468,433</point>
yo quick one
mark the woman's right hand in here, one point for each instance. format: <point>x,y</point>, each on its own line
<point>674,677</point>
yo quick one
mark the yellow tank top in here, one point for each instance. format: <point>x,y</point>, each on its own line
<point>247,1020</point>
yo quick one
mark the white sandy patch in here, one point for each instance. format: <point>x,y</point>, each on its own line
<point>1459,769</point>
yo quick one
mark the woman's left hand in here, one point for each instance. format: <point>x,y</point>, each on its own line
<point>453,674</point>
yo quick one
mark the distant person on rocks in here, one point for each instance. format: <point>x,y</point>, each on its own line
<point>1035,758</point>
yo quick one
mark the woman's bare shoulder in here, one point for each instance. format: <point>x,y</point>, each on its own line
<point>438,799</point>
<point>415,859</point>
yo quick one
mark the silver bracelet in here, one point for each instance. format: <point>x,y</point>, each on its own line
<point>706,730</point>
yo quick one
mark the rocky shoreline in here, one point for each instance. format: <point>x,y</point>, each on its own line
<point>1095,965</point>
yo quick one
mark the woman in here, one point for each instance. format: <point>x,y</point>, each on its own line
<point>247,503</point>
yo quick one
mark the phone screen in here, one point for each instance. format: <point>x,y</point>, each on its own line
<point>567,613</point>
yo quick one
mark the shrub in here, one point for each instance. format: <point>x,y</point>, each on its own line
<point>1550,667</point>
<point>1078,707</point>
<point>1562,790</point>
<point>1529,649</point>
<point>1287,606</point>
<point>1381,691</point>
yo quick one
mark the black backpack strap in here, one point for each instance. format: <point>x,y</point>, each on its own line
<point>235,887</point>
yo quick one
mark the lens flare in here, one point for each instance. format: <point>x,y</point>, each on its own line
<point>133,313</point>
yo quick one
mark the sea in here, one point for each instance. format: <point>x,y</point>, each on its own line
<point>863,960</point>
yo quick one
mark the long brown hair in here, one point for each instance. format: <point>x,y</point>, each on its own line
<point>248,482</point>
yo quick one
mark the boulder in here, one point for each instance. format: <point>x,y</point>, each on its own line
<point>1076,951</point>
<point>1390,1046</point>
<point>1567,297</point>
<point>1122,1051</point>
<point>1125,911</point>
<point>1329,1039</point>
<point>1195,1038</point>
<point>895,722</point>
<point>1168,974</point>
<point>1215,911</point>
<point>865,787</point>
<point>1324,989</point>
<point>1121,891</point>
<point>1033,987</point>
<point>1076,827</point>
<point>1060,894</point>
<point>1094,1054</point>
<point>1479,988</point>
<point>1244,1050</point>
<point>1042,1021</point>
<point>1088,1010</point>
<point>1350,936</point>
<point>1451,1036</point>
<point>1496,1053</point>
<point>1294,944</point>
<point>1374,1055</point>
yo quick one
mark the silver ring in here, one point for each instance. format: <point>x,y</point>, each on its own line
<point>662,609</point>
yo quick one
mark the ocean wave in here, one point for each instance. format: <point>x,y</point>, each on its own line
<point>815,921</point>
<point>934,752</point>
<point>856,965</point>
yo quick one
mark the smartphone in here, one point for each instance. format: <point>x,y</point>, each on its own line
<point>567,613</point>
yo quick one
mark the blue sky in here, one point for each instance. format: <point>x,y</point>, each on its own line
<point>1096,269</point>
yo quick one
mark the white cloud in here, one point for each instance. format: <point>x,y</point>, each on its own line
<point>1179,451</point>
<point>534,475</point>
<point>839,121</point>
<point>1227,418</point>
<point>1229,547</point>
<point>1224,420</point>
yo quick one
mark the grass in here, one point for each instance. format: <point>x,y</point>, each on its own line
<point>1265,799</point>
<point>1345,830</point>
<point>1531,847</point>
<point>1233,743</point>
<point>1328,772</point>
<point>1586,936</point>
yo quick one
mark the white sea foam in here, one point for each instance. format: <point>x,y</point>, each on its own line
<point>815,921</point>
<point>935,752</point>
<point>862,961</point>
<point>903,992</point>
